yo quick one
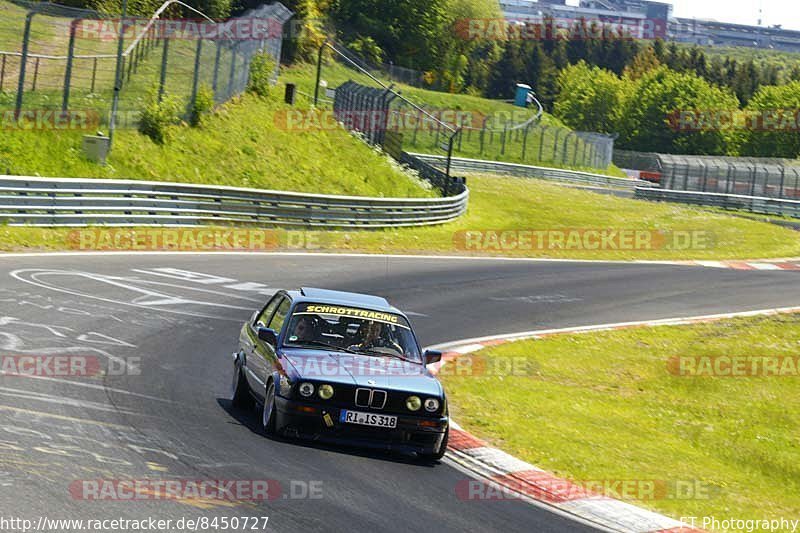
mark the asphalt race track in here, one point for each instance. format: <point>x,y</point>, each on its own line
<point>180,314</point>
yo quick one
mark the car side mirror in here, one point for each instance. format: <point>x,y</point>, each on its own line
<point>432,356</point>
<point>269,336</point>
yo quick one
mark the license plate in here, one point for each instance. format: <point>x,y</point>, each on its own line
<point>368,419</point>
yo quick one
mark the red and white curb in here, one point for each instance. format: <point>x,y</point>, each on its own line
<point>515,476</point>
<point>751,265</point>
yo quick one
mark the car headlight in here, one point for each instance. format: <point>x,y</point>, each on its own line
<point>431,405</point>
<point>325,392</point>
<point>413,403</point>
<point>306,389</point>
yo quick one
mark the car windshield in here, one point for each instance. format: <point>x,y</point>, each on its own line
<point>351,329</point>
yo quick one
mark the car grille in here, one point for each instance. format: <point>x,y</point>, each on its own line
<point>372,398</point>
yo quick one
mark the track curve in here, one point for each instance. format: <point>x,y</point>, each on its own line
<point>180,315</point>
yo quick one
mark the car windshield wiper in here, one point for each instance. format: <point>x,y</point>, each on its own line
<point>325,345</point>
<point>383,354</point>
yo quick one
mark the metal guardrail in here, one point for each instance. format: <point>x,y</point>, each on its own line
<point>84,202</point>
<point>526,171</point>
<point>756,204</point>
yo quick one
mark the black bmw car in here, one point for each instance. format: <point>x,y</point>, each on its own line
<point>341,367</point>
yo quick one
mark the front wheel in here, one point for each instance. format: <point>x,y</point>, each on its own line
<point>240,391</point>
<point>268,418</point>
<point>432,457</point>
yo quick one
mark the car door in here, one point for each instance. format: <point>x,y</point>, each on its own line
<point>266,354</point>
<point>254,363</point>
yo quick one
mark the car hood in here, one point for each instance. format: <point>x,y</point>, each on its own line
<point>362,370</point>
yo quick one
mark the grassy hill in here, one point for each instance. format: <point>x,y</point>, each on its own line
<point>239,145</point>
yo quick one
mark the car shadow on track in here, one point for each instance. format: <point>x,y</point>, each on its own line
<point>249,418</point>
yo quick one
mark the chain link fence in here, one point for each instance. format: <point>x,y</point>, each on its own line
<point>57,58</point>
<point>747,176</point>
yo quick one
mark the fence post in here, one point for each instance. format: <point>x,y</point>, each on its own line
<point>216,68</point>
<point>503,144</point>
<point>94,73</point>
<point>525,141</point>
<point>541,143</point>
<point>555,144</point>
<point>575,154</point>
<point>163,76</point>
<point>23,63</point>
<point>783,178</point>
<point>753,180</point>
<point>35,74</point>
<point>68,69</point>
<point>233,69</point>
<point>196,75</point>
<point>3,72</point>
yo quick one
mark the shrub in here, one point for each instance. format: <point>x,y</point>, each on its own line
<point>262,70</point>
<point>158,116</point>
<point>203,104</point>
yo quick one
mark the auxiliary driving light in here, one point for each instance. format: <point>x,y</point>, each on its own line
<point>413,403</point>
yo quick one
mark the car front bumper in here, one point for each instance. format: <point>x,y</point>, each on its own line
<point>308,420</point>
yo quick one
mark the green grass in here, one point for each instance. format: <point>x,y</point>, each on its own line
<point>526,204</point>
<point>239,145</point>
<point>604,407</point>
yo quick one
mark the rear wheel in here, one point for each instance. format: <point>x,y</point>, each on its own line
<point>240,391</point>
<point>268,421</point>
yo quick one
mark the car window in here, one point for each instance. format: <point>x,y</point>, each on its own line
<point>280,315</point>
<point>318,326</point>
<point>264,316</point>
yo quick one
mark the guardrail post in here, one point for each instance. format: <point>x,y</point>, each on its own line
<point>68,69</point>
<point>23,63</point>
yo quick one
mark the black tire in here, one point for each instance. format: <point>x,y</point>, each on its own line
<point>433,457</point>
<point>240,390</point>
<point>268,417</point>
